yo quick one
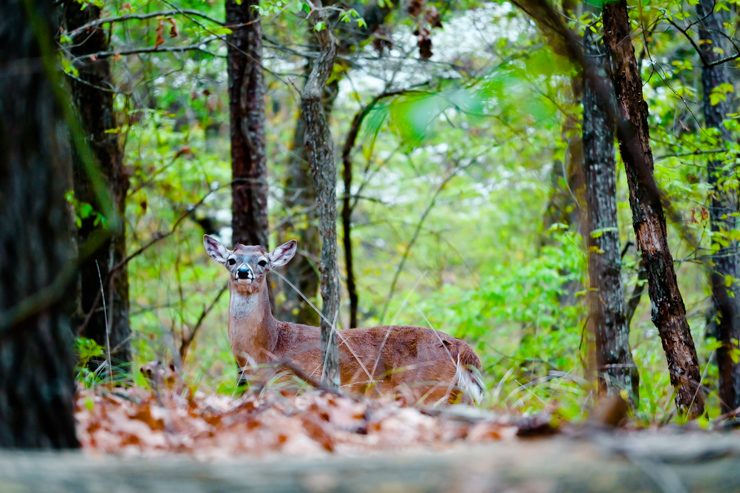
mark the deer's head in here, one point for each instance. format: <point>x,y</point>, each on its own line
<point>248,265</point>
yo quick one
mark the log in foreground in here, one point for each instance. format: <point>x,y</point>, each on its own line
<point>609,463</point>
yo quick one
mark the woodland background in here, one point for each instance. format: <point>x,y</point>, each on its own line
<point>461,188</point>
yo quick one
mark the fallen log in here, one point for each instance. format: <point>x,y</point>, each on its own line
<point>620,462</point>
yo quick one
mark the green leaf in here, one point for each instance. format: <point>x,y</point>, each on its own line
<point>221,31</point>
<point>598,233</point>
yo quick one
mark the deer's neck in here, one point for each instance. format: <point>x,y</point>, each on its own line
<point>252,328</point>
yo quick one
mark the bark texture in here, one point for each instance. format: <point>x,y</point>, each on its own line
<point>93,94</point>
<point>614,365</point>
<point>247,116</point>
<point>36,359</point>
<point>320,153</point>
<point>668,311</point>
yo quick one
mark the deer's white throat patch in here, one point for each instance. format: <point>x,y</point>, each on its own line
<point>243,306</point>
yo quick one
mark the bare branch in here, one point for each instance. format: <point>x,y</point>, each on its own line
<point>152,49</point>
<point>141,17</point>
<point>187,340</point>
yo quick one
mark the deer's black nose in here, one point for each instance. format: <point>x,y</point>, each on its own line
<point>243,273</point>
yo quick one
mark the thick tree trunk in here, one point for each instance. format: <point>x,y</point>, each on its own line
<point>724,204</point>
<point>93,95</point>
<point>669,313</point>
<point>320,153</point>
<point>614,365</point>
<point>36,358</point>
<point>247,116</point>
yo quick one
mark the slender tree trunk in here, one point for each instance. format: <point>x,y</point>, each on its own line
<point>349,144</point>
<point>93,94</point>
<point>634,300</point>
<point>299,189</point>
<point>669,313</point>
<point>36,358</point>
<point>724,204</point>
<point>247,116</point>
<point>320,152</point>
<point>614,365</point>
<point>300,196</point>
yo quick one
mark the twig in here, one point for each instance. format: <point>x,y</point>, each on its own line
<point>691,153</point>
<point>703,58</point>
<point>141,17</point>
<point>634,299</point>
<point>186,341</point>
<point>415,235</point>
<point>347,207</point>
<point>107,327</point>
<point>152,49</point>
<point>156,238</point>
<point>306,377</point>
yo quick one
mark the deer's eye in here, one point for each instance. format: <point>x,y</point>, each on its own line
<point>262,263</point>
<point>231,261</point>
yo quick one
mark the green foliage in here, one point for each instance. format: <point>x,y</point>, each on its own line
<point>83,210</point>
<point>494,109</point>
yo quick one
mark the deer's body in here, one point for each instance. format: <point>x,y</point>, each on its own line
<point>410,362</point>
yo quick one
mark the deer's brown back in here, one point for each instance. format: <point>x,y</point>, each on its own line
<point>418,361</point>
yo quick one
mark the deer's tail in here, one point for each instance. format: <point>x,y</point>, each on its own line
<point>468,374</point>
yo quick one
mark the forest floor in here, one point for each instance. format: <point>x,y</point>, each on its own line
<point>321,443</point>
<point>135,439</point>
<point>135,421</point>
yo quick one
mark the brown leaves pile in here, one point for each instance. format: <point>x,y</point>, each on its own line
<point>138,422</point>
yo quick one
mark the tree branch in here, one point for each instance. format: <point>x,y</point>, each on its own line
<point>155,239</point>
<point>141,17</point>
<point>151,49</point>
<point>347,207</point>
<point>186,341</point>
<point>698,50</point>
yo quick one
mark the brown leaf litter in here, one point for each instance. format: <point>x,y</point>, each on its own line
<point>137,422</point>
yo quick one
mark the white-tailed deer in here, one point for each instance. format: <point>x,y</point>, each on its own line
<point>414,363</point>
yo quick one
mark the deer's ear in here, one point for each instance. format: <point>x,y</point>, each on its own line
<point>282,254</point>
<point>215,249</point>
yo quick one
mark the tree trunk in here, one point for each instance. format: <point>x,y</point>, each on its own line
<point>614,365</point>
<point>36,359</point>
<point>724,204</point>
<point>347,207</point>
<point>247,116</point>
<point>93,93</point>
<point>669,313</point>
<point>299,190</point>
<point>320,153</point>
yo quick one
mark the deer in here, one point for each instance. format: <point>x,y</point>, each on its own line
<point>414,364</point>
